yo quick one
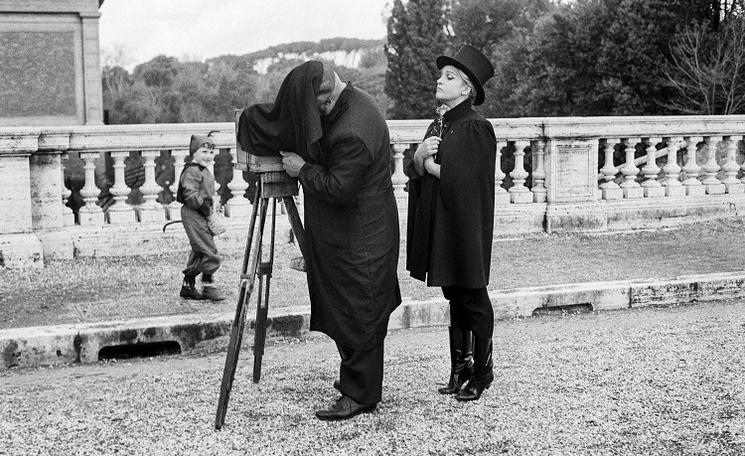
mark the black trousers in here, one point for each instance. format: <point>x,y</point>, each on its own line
<point>361,373</point>
<point>470,308</point>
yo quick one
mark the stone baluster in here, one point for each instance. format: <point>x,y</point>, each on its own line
<point>211,168</point>
<point>91,213</point>
<point>150,211</point>
<point>652,187</point>
<point>179,157</point>
<point>672,184</point>
<point>731,168</point>
<point>691,169</point>
<point>631,188</point>
<point>519,192</point>
<point>539,171</point>
<point>237,205</point>
<point>501,196</point>
<point>610,189</point>
<point>399,178</point>
<point>68,216</point>
<point>120,213</point>
<point>710,167</point>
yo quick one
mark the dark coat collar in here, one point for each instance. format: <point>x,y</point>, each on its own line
<point>458,112</point>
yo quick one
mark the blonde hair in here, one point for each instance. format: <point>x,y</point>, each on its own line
<point>467,81</point>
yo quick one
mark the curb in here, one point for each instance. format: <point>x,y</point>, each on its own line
<point>82,343</point>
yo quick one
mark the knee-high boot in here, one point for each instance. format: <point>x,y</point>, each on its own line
<point>461,359</point>
<point>483,371</point>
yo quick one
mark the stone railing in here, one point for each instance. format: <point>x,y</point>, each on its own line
<point>96,190</point>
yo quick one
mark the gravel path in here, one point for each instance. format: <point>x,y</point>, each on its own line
<point>113,288</point>
<point>653,381</point>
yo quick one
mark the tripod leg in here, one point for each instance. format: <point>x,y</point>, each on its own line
<point>295,223</point>
<point>262,306</point>
<point>236,332</point>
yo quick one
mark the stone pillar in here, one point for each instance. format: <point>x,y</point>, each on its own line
<point>519,193</point>
<point>711,167</point>
<point>68,216</point>
<point>47,214</point>
<point>652,188</point>
<point>93,99</point>
<point>237,206</point>
<point>399,180</point>
<point>631,188</point>
<point>691,169</point>
<point>611,190</point>
<point>19,247</point>
<point>673,186</point>
<point>572,185</point>
<point>501,196</point>
<point>539,171</point>
<point>120,213</point>
<point>91,213</point>
<point>151,211</point>
<point>731,168</point>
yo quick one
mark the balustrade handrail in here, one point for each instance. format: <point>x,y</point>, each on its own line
<point>548,174</point>
<point>171,136</point>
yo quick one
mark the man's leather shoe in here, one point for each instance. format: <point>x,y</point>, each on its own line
<point>344,408</point>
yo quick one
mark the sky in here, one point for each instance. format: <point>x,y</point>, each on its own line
<point>134,31</point>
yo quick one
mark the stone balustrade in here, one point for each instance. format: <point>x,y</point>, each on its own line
<point>96,190</point>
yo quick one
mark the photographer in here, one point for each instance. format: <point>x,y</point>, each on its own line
<point>340,152</point>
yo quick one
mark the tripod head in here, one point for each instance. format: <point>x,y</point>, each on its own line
<point>275,182</point>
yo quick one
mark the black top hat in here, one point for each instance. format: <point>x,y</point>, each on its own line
<point>472,62</point>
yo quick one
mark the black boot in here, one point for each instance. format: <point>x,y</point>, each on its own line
<point>483,371</point>
<point>461,359</point>
<point>189,289</point>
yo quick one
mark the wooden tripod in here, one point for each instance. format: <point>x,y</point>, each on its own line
<point>271,185</point>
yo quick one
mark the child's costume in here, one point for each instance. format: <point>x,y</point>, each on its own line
<point>195,192</point>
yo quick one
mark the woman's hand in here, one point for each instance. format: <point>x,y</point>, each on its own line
<point>426,149</point>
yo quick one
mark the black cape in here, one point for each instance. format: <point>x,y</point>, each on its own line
<point>451,219</point>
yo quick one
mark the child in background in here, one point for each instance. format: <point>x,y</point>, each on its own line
<point>196,190</point>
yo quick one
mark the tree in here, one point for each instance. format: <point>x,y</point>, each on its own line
<point>592,57</point>
<point>708,72</point>
<point>416,36</point>
<point>484,23</point>
<point>500,29</point>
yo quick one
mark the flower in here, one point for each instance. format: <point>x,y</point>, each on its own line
<point>439,127</point>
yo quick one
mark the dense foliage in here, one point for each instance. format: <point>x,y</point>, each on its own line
<point>551,57</point>
<point>167,90</point>
<point>584,57</point>
<point>416,36</point>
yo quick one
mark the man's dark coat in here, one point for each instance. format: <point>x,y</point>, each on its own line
<point>351,224</point>
<point>351,219</point>
<point>451,219</point>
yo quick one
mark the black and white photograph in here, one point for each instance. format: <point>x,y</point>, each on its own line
<point>372,227</point>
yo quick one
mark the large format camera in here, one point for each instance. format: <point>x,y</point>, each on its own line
<point>276,183</point>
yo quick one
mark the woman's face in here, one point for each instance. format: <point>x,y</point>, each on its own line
<point>451,88</point>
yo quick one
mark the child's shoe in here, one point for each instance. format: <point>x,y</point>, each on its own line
<point>189,290</point>
<point>212,293</point>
